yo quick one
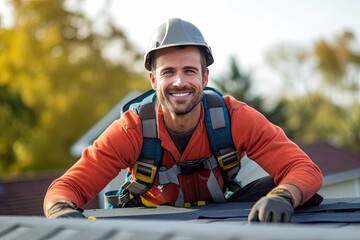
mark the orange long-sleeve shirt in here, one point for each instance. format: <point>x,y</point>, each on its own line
<point>119,146</point>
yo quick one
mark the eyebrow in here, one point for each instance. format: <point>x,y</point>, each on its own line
<point>166,69</point>
<point>184,68</point>
<point>191,68</point>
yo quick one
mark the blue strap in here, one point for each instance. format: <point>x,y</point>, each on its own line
<point>217,121</point>
<point>145,106</point>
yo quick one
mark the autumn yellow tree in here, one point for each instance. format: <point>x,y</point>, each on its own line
<point>322,89</point>
<point>339,64</point>
<point>53,67</point>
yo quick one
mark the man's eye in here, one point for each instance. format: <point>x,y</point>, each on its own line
<point>189,71</point>
<point>168,72</point>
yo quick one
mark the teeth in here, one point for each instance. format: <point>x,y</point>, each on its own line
<point>180,94</point>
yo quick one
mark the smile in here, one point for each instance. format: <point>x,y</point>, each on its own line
<point>180,94</point>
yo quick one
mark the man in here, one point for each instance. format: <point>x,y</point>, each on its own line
<point>177,60</point>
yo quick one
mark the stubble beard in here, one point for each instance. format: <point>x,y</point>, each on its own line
<point>181,110</point>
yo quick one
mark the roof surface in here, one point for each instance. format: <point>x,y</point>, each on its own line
<point>333,219</point>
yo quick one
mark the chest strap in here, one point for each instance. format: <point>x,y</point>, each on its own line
<point>170,175</point>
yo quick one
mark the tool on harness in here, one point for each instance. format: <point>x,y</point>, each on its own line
<point>145,170</point>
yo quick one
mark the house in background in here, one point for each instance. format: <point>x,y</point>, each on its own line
<point>94,132</point>
<point>340,167</point>
<point>24,195</point>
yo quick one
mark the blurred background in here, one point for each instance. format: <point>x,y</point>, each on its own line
<point>64,64</point>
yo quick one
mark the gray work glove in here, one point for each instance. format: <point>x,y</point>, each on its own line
<point>271,209</point>
<point>65,210</point>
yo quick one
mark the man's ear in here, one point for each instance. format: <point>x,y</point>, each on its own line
<point>152,80</point>
<point>206,77</point>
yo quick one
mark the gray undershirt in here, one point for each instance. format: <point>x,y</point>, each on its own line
<point>181,139</point>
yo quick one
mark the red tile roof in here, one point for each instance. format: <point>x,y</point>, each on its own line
<point>331,159</point>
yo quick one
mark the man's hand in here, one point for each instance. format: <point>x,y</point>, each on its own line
<point>64,210</point>
<point>271,209</point>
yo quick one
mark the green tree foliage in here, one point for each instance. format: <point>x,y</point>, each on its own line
<point>322,98</point>
<point>312,117</point>
<point>239,84</point>
<point>16,119</point>
<point>53,64</point>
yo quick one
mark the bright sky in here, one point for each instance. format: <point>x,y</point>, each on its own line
<point>244,28</point>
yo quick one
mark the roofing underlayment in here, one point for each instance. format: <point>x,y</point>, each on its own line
<point>333,219</point>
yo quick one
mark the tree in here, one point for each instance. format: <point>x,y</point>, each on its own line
<point>53,61</point>
<point>239,84</point>
<point>15,122</point>
<point>338,62</point>
<point>294,64</point>
<point>327,107</point>
<point>312,117</point>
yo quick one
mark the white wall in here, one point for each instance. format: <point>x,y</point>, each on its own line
<point>341,190</point>
<point>250,171</point>
<point>336,186</point>
<point>113,185</point>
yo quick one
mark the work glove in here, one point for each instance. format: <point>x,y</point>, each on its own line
<point>65,210</point>
<point>276,207</point>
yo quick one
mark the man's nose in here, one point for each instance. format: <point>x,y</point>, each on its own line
<point>179,80</point>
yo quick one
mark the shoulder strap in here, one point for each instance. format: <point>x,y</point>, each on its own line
<point>218,125</point>
<point>135,103</point>
<point>145,106</point>
<point>145,168</point>
<point>151,152</point>
<point>217,121</point>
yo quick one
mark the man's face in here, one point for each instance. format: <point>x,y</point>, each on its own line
<point>178,80</point>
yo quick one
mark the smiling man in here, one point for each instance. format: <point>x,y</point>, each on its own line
<point>182,143</point>
<point>179,80</point>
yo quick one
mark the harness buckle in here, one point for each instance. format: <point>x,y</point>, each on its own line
<point>228,160</point>
<point>192,166</point>
<point>125,198</point>
<point>194,204</point>
<point>144,171</point>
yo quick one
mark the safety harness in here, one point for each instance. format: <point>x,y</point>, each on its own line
<point>148,165</point>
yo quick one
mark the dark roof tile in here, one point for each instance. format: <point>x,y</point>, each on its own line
<point>24,195</point>
<point>331,159</point>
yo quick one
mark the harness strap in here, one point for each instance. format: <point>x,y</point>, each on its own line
<point>170,175</point>
<point>213,185</point>
<point>180,199</point>
<point>112,199</point>
<point>216,117</point>
<point>145,168</point>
